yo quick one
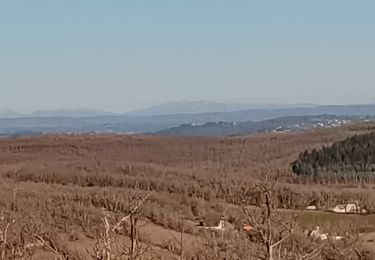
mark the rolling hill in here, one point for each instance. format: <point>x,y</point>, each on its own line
<point>277,125</point>
<point>87,121</point>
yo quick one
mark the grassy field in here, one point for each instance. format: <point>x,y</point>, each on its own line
<point>337,223</point>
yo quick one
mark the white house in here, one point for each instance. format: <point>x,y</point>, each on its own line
<point>349,209</point>
<point>312,207</point>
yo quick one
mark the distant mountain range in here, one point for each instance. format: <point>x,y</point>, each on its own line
<point>7,113</point>
<point>171,108</point>
<point>198,107</point>
<point>71,113</point>
<point>69,121</point>
<point>206,111</point>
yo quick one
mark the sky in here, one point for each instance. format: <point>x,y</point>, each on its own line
<point>121,55</point>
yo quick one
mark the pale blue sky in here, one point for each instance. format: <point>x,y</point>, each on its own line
<point>120,55</point>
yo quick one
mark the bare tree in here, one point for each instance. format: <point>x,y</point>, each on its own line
<point>269,228</point>
<point>178,240</point>
<point>108,247</point>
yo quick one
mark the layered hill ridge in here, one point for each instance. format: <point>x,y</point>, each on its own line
<point>195,124</point>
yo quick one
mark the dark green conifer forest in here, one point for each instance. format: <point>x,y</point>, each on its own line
<point>347,161</point>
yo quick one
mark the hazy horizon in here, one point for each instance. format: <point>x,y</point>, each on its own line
<point>178,102</point>
<point>122,56</point>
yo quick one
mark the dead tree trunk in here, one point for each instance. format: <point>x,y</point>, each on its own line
<point>133,236</point>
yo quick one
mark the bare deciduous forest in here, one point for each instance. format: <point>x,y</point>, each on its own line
<point>142,197</point>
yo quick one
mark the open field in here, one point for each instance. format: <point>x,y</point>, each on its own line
<point>59,187</point>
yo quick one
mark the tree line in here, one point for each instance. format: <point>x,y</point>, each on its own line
<point>350,160</point>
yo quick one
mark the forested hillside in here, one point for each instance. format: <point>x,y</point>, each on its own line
<point>346,161</point>
<point>64,196</point>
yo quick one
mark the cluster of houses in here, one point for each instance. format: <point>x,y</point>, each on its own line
<point>349,208</point>
<point>315,233</point>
